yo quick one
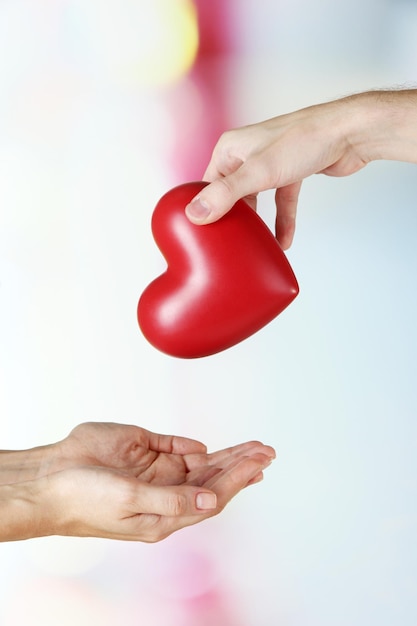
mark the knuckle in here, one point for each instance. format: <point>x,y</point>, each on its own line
<point>226,139</point>
<point>226,185</point>
<point>177,504</point>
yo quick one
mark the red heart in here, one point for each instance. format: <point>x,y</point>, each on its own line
<point>224,281</point>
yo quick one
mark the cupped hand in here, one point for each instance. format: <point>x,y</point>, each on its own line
<point>163,459</point>
<point>124,482</point>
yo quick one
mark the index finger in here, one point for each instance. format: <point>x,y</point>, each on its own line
<point>220,167</point>
<point>173,444</point>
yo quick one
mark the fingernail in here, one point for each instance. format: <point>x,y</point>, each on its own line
<point>205,501</point>
<point>198,209</point>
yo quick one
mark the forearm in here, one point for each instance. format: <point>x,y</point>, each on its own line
<point>23,511</point>
<point>22,465</point>
<point>383,124</point>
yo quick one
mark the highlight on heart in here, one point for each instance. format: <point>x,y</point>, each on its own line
<point>223,282</point>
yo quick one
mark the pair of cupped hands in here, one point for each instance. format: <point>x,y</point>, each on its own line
<point>124,482</point>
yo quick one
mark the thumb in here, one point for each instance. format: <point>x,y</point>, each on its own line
<point>173,501</point>
<point>218,197</point>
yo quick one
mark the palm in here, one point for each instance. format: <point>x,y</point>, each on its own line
<point>155,459</point>
<point>126,482</point>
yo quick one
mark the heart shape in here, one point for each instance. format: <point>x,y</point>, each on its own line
<point>224,280</point>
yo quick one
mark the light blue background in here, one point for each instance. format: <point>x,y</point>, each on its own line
<point>329,537</point>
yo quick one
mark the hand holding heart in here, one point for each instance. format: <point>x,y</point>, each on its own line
<point>224,281</point>
<point>336,138</point>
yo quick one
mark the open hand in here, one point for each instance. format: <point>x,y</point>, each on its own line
<point>124,482</point>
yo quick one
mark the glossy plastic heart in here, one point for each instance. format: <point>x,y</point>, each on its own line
<point>224,281</point>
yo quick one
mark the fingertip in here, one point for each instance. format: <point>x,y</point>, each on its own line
<point>266,461</point>
<point>256,479</point>
<point>284,232</point>
<point>270,452</point>
<point>284,242</point>
<point>214,201</point>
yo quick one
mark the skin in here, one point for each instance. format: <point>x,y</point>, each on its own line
<point>336,138</point>
<point>121,482</point>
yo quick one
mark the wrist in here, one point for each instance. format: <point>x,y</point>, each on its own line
<point>382,125</point>
<point>18,466</point>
